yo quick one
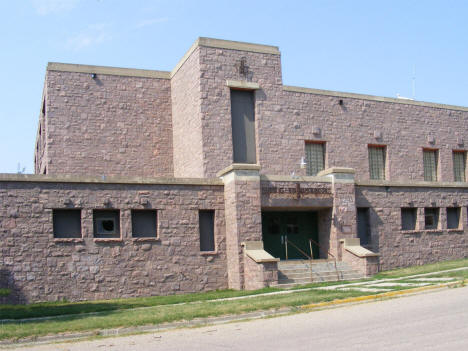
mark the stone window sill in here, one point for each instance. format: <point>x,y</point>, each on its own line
<point>208,253</point>
<point>107,240</point>
<point>411,231</point>
<point>455,230</point>
<point>137,240</point>
<point>433,231</point>
<point>68,240</point>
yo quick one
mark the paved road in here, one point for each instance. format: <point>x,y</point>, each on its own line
<point>430,321</point>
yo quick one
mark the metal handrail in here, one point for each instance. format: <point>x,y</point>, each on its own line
<point>328,253</point>
<point>298,249</point>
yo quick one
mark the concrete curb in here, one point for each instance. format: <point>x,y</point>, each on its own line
<point>198,322</point>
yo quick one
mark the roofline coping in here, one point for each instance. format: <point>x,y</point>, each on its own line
<point>41,178</point>
<point>225,44</point>
<point>115,71</point>
<point>409,184</point>
<point>372,98</point>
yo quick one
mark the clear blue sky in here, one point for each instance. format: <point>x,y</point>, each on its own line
<point>357,46</point>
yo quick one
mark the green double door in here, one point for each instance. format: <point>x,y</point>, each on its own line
<point>288,233</point>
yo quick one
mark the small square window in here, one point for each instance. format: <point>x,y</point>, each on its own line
<point>144,223</point>
<point>106,223</point>
<point>66,223</point>
<point>206,223</point>
<point>431,218</point>
<point>408,218</point>
<point>453,217</point>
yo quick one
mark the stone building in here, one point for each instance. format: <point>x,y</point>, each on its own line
<point>216,175</point>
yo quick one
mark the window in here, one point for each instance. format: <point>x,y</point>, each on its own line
<point>106,223</point>
<point>206,223</point>
<point>363,225</point>
<point>453,217</point>
<point>376,162</point>
<point>408,218</point>
<point>430,165</point>
<point>144,223</point>
<point>315,157</point>
<point>459,166</point>
<point>243,126</point>
<point>431,218</point>
<point>66,223</point>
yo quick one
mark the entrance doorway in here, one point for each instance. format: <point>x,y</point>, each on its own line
<point>290,235</point>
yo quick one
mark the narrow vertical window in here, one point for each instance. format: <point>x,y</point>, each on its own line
<point>408,218</point>
<point>453,217</point>
<point>430,165</point>
<point>363,225</point>
<point>315,157</point>
<point>243,126</point>
<point>206,223</point>
<point>376,162</point>
<point>459,166</point>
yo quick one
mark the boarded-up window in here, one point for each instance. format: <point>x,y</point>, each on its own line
<point>206,223</point>
<point>363,225</point>
<point>144,223</point>
<point>430,165</point>
<point>243,126</point>
<point>431,218</point>
<point>408,218</point>
<point>315,155</point>
<point>377,162</point>
<point>453,217</point>
<point>459,166</point>
<point>66,223</point>
<point>106,223</point>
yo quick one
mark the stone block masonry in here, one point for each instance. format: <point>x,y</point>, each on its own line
<point>38,267</point>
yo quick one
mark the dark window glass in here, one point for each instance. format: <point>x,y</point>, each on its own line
<point>144,223</point>
<point>106,223</point>
<point>243,126</point>
<point>67,223</point>
<point>363,225</point>
<point>431,218</point>
<point>206,222</point>
<point>453,217</point>
<point>408,218</point>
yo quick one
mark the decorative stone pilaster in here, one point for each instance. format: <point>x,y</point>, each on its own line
<point>242,199</point>
<point>344,207</point>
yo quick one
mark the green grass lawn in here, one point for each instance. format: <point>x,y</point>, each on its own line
<point>65,317</point>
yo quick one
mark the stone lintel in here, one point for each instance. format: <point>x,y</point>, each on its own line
<point>241,168</point>
<point>295,179</point>
<point>242,84</point>
<point>419,184</point>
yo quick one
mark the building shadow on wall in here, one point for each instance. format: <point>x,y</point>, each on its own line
<point>11,293</point>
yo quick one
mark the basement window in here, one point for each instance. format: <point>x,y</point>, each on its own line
<point>66,223</point>
<point>144,223</point>
<point>106,223</point>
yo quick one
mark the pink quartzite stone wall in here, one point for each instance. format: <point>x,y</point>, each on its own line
<point>38,267</point>
<point>259,275</point>
<point>243,222</point>
<point>399,248</point>
<point>111,125</point>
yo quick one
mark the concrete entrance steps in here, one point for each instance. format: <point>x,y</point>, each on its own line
<point>299,272</point>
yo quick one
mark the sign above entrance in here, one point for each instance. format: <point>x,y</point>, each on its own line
<point>295,192</point>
